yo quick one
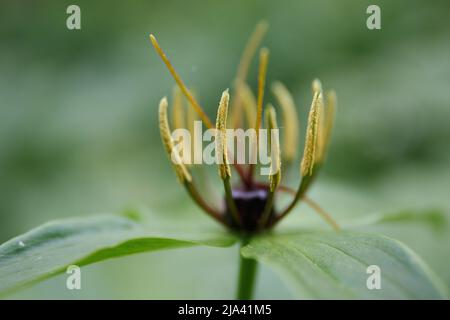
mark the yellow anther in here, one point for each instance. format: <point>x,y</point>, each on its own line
<point>320,149</point>
<point>180,169</point>
<point>330,105</point>
<point>244,64</point>
<point>250,49</point>
<point>327,120</point>
<point>311,137</point>
<point>263,61</point>
<point>221,136</point>
<point>178,119</point>
<point>249,103</point>
<point>290,120</point>
<point>191,117</point>
<point>316,86</point>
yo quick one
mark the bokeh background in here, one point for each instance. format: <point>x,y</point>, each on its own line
<point>78,121</point>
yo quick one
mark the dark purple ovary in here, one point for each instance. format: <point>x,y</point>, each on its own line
<point>250,205</point>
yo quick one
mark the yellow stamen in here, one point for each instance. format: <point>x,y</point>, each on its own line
<point>273,145</point>
<point>178,120</point>
<point>221,136</point>
<point>311,137</point>
<point>263,61</point>
<point>221,150</point>
<point>331,102</point>
<point>316,86</point>
<point>290,120</point>
<point>249,104</point>
<point>244,65</point>
<point>320,149</point>
<point>250,50</point>
<point>191,117</point>
<point>190,121</point>
<point>181,84</point>
<point>326,125</point>
<point>180,169</point>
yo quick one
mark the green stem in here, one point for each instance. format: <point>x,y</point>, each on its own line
<point>247,276</point>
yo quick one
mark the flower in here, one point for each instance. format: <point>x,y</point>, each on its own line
<point>250,204</point>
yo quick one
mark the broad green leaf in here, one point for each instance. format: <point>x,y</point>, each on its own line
<point>334,265</point>
<point>50,248</point>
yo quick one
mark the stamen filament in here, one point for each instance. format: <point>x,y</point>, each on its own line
<point>267,209</point>
<point>230,202</point>
<point>315,206</point>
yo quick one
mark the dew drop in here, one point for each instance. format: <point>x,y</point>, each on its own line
<point>21,244</point>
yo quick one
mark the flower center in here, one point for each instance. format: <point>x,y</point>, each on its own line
<point>250,204</point>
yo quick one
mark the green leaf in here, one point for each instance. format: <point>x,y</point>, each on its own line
<point>50,248</point>
<point>334,265</point>
<point>434,218</point>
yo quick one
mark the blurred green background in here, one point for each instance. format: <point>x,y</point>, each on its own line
<point>78,121</point>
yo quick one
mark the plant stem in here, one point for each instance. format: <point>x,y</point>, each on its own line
<point>247,276</point>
